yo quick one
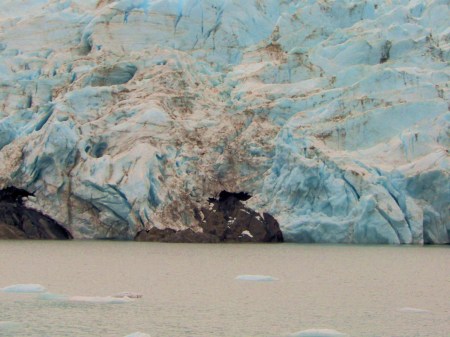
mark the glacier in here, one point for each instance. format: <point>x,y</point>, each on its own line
<point>119,117</point>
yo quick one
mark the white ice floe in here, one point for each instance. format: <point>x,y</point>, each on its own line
<point>256,278</point>
<point>24,288</point>
<point>413,310</point>
<point>53,297</point>
<point>7,325</point>
<point>124,297</point>
<point>99,299</point>
<point>138,334</point>
<point>318,333</point>
<point>127,294</point>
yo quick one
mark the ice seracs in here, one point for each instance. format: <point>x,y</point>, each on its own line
<point>124,117</point>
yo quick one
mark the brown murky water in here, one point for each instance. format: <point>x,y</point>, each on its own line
<point>191,290</point>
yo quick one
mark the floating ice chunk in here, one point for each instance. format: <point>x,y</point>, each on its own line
<point>318,333</point>
<point>98,299</point>
<point>138,334</point>
<point>128,294</point>
<point>6,325</point>
<point>413,310</point>
<point>124,297</point>
<point>51,297</point>
<point>256,278</point>
<point>24,288</point>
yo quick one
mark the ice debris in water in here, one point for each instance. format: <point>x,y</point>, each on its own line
<point>128,294</point>
<point>414,310</point>
<point>99,299</point>
<point>138,334</point>
<point>7,325</point>
<point>256,278</point>
<point>24,288</point>
<point>52,297</point>
<point>85,299</point>
<point>318,333</point>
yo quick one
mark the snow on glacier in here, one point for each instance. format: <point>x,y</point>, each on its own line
<point>126,115</point>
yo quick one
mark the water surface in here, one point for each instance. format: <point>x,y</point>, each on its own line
<point>192,290</point>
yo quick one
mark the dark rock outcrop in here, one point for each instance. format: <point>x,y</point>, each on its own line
<point>171,235</point>
<point>226,219</point>
<point>19,222</point>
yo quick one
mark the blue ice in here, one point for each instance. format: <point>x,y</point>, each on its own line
<point>24,288</point>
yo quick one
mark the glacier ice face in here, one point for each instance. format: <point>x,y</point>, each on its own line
<point>122,116</point>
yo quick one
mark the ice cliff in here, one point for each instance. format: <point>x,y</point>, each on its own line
<point>124,116</point>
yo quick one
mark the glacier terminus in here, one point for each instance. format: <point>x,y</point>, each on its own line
<point>150,118</point>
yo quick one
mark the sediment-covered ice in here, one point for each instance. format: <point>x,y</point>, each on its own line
<point>122,116</point>
<point>24,288</point>
<point>318,333</point>
<point>256,278</point>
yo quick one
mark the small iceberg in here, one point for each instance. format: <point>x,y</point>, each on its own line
<point>24,288</point>
<point>116,299</point>
<point>98,299</point>
<point>138,334</point>
<point>127,294</point>
<point>413,310</point>
<point>6,326</point>
<point>256,278</point>
<point>318,333</point>
<point>52,297</point>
